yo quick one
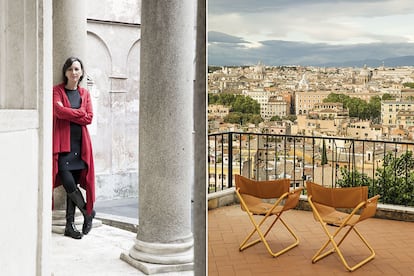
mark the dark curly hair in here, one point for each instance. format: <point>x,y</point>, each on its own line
<point>68,63</point>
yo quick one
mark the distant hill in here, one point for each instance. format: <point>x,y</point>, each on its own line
<point>388,62</point>
<point>227,50</point>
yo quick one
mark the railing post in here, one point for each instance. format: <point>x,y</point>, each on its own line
<point>230,162</point>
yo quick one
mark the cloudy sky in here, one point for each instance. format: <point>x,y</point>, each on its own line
<point>308,32</point>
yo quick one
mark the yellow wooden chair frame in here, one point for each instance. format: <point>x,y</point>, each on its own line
<point>252,194</point>
<point>325,201</point>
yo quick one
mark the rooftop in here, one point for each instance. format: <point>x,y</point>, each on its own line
<point>392,241</point>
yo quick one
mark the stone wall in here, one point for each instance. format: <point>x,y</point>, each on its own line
<point>19,197</point>
<point>112,66</point>
<point>25,136</point>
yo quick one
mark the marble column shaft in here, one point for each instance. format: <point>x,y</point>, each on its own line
<point>69,39</point>
<point>166,150</point>
<point>69,33</point>
<point>166,121</point>
<point>200,146</point>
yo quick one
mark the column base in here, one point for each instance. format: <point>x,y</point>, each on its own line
<point>149,268</point>
<point>151,258</point>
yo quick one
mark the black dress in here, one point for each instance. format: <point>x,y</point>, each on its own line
<point>69,161</point>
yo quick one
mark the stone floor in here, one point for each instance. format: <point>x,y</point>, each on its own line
<point>98,253</point>
<point>393,242</point>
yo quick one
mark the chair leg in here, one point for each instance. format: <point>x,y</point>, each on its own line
<point>294,244</point>
<point>318,256</point>
<point>262,237</point>
<point>369,258</point>
<point>244,244</point>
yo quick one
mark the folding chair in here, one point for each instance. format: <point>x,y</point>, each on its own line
<point>253,194</point>
<point>325,201</point>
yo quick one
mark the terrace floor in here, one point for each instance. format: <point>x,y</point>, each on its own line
<point>393,242</point>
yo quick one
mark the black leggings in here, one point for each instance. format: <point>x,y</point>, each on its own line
<point>70,180</point>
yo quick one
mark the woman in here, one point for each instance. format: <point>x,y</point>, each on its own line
<point>72,147</point>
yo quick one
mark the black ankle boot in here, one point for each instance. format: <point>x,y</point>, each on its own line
<point>77,198</point>
<point>71,231</point>
<point>87,222</point>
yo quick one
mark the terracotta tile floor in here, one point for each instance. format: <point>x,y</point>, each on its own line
<point>393,242</point>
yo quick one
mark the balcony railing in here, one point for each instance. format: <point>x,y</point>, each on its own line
<point>386,167</point>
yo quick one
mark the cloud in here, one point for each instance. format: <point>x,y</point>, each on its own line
<point>217,37</point>
<point>355,7</point>
<point>335,22</point>
<point>308,32</point>
<point>229,50</point>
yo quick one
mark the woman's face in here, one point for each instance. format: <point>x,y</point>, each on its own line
<point>74,72</point>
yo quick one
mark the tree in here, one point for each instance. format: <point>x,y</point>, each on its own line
<point>358,108</point>
<point>212,98</point>
<point>237,103</point>
<point>387,96</point>
<point>275,118</point>
<point>354,179</point>
<point>409,84</point>
<point>234,118</point>
<point>242,118</point>
<point>374,108</point>
<point>255,119</point>
<point>394,181</point>
<point>242,109</point>
<point>245,105</point>
<point>291,118</point>
<point>336,98</point>
<point>211,69</point>
<point>324,154</point>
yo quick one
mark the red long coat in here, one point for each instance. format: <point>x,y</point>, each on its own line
<point>62,116</point>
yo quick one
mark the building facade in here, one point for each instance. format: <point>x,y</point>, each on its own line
<point>305,100</point>
<point>394,112</point>
<point>217,111</point>
<point>113,50</point>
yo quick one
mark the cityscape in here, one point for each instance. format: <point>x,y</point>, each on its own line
<point>295,100</point>
<point>338,126</point>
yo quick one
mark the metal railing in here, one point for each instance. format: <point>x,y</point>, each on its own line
<point>329,161</point>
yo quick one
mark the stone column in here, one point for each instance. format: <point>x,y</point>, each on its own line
<point>69,39</point>
<point>200,145</point>
<point>164,239</point>
<point>69,34</point>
